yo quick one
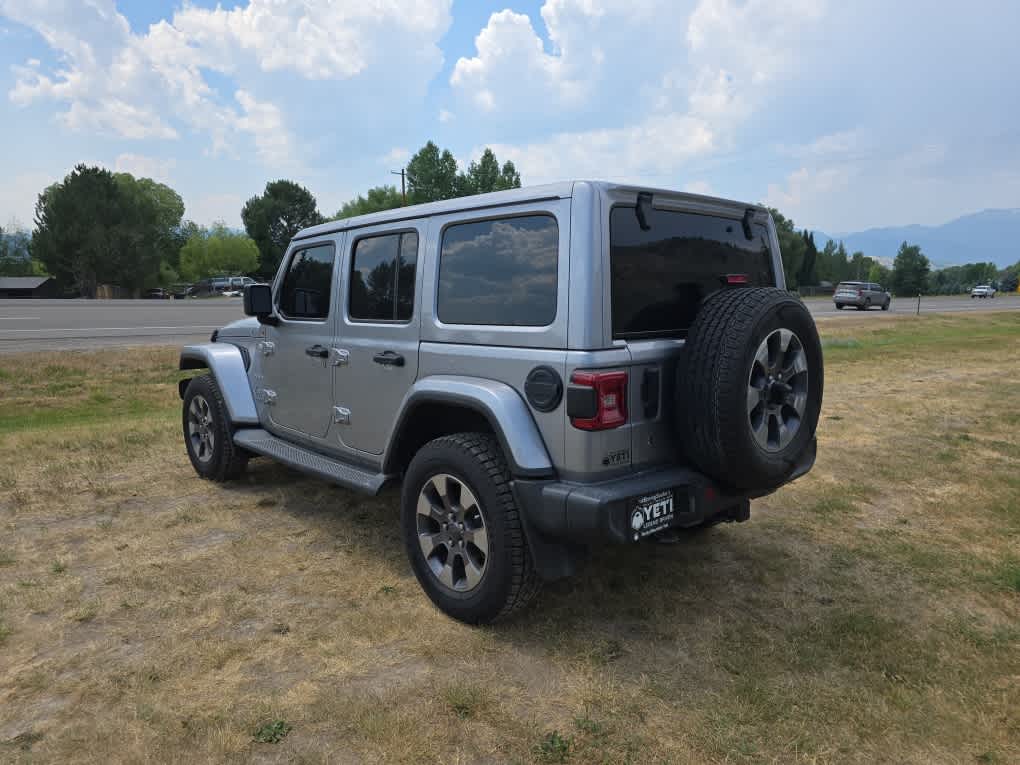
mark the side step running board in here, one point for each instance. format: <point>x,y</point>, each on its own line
<point>261,442</point>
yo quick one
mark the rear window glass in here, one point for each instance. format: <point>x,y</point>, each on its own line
<point>499,272</point>
<point>660,276</point>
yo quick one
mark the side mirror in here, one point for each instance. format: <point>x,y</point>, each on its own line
<point>258,301</point>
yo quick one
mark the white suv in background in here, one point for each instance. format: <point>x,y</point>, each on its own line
<point>983,291</point>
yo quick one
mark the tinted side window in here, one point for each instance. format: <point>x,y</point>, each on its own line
<point>304,293</point>
<point>382,277</point>
<point>499,272</point>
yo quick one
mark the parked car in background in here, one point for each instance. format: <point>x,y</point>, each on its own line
<point>861,295</point>
<point>156,293</point>
<point>983,291</point>
<point>181,291</point>
<point>211,286</point>
<point>236,285</point>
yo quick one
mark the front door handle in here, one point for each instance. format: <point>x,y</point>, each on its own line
<point>318,351</point>
<point>389,359</point>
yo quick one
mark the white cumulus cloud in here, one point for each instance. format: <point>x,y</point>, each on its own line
<point>154,86</point>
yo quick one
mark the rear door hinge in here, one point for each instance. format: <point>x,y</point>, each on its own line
<point>341,415</point>
<point>266,347</point>
<point>268,396</point>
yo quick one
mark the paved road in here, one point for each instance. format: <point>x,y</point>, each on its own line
<point>941,304</point>
<point>31,325</point>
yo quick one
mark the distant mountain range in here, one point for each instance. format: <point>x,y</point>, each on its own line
<point>987,236</point>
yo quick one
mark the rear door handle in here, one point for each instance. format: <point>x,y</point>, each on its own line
<point>389,359</point>
<point>319,351</point>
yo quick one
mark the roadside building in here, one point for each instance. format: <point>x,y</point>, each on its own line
<point>28,287</point>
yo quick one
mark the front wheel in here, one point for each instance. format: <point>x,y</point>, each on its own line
<point>462,529</point>
<point>208,435</point>
<point>839,306</point>
<point>885,305</point>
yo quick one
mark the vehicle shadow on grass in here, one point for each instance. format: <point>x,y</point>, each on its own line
<point>756,599</point>
<point>633,586</point>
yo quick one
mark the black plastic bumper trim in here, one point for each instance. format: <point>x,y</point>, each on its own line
<point>601,512</point>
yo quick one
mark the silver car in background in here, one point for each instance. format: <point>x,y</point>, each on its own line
<point>983,291</point>
<point>861,295</point>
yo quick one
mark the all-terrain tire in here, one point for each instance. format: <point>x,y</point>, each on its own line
<point>223,460</point>
<point>713,380</point>
<point>509,580</point>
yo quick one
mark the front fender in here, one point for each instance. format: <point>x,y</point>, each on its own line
<point>501,405</point>
<point>226,363</point>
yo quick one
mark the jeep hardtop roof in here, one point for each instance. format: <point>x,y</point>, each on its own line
<point>560,190</point>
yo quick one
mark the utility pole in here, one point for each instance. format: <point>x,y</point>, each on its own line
<point>403,187</point>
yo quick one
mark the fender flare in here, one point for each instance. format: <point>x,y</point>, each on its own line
<point>502,406</point>
<point>227,365</point>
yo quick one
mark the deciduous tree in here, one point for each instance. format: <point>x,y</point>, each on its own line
<point>910,271</point>
<point>94,227</point>
<point>274,217</point>
<point>432,175</point>
<point>375,200</point>
<point>218,251</point>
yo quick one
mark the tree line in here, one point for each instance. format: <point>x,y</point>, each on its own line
<point>99,227</point>
<point>804,265</point>
<point>272,218</point>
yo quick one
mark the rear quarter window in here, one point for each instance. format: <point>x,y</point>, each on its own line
<point>499,272</point>
<point>661,275</point>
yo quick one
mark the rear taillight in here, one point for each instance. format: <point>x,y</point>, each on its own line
<point>597,400</point>
<point>736,279</point>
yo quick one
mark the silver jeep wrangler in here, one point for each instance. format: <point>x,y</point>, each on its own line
<point>543,369</point>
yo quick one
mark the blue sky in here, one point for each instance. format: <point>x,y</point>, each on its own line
<point>843,115</point>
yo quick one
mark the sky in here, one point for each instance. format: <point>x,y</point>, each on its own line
<point>845,116</point>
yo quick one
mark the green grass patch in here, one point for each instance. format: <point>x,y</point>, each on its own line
<point>98,410</point>
<point>272,732</point>
<point>553,748</point>
<point>1007,575</point>
<point>925,335</point>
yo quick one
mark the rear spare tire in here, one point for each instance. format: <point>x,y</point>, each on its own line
<point>749,387</point>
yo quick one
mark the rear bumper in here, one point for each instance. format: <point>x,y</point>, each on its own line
<point>849,301</point>
<point>671,497</point>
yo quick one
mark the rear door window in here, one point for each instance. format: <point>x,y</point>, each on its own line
<point>382,277</point>
<point>661,275</point>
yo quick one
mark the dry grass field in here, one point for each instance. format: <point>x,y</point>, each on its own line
<point>868,613</point>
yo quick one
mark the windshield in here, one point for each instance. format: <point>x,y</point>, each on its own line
<point>661,275</point>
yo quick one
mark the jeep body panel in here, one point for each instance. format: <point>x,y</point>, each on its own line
<point>226,363</point>
<point>502,407</point>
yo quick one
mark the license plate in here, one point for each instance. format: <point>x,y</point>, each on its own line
<point>652,513</point>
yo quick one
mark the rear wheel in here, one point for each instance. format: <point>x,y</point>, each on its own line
<point>462,529</point>
<point>208,435</point>
<point>885,305</point>
<point>750,387</point>
<point>839,306</point>
<point>867,303</point>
